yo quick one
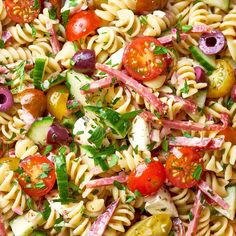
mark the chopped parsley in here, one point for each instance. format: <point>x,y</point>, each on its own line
<point>160,50</point>
<point>97,136</point>
<point>129,199</point>
<point>40,185</point>
<point>137,193</point>
<point>197,172</point>
<point>36,4</point>
<point>151,146</point>
<point>187,135</point>
<point>165,145</point>
<point>85,87</point>
<point>65,17</point>
<point>48,149</point>
<point>185,89</point>
<point>143,20</point>
<point>59,224</point>
<point>147,160</point>
<point>229,103</point>
<point>113,161</point>
<point>190,216</point>
<point>2,44</point>
<point>178,27</point>
<point>186,28</point>
<point>119,185</point>
<point>46,210</point>
<point>52,13</point>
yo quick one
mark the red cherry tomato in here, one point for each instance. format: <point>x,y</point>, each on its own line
<point>23,11</point>
<point>180,170</point>
<point>141,62</point>
<point>230,134</point>
<point>81,24</point>
<point>37,176</point>
<point>147,178</point>
<point>149,5</point>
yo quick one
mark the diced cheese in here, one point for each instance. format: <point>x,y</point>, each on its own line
<point>160,203</point>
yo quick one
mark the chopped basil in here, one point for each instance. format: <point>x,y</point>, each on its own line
<point>97,136</point>
<point>65,17</point>
<point>40,185</point>
<point>42,176</point>
<point>165,145</point>
<point>102,163</point>
<point>86,87</point>
<point>160,50</point>
<point>136,149</point>
<point>46,210</point>
<point>178,27</point>
<point>27,179</point>
<point>187,135</point>
<point>131,115</point>
<point>30,203</point>
<point>20,72</point>
<point>115,101</point>
<point>52,13</point>
<point>129,199</point>
<point>197,172</point>
<point>148,160</point>
<point>33,30</point>
<point>157,114</point>
<point>190,216</point>
<point>137,193</point>
<point>59,224</point>
<point>185,89</point>
<point>47,149</point>
<point>36,4</point>
<point>151,146</point>
<point>143,20</point>
<point>74,187</point>
<point>113,161</point>
<point>2,44</point>
<point>229,103</point>
<point>76,48</point>
<point>186,28</point>
<point>119,185</point>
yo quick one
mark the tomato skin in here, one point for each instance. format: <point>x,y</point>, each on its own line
<point>81,24</point>
<point>149,5</point>
<point>179,171</point>
<point>221,81</point>
<point>22,11</point>
<point>32,167</point>
<point>230,135</point>
<point>147,178</point>
<point>140,61</point>
<point>33,101</point>
<point>57,97</point>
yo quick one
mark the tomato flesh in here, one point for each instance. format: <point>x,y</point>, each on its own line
<point>57,98</point>
<point>37,176</point>
<point>81,24</point>
<point>149,5</point>
<point>141,62</point>
<point>180,170</point>
<point>230,135</point>
<point>33,101</point>
<point>23,11</point>
<point>147,178</point>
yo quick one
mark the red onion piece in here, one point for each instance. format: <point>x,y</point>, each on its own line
<point>85,61</point>
<point>212,43</point>
<point>200,75</point>
<point>99,226</point>
<point>233,93</point>
<point>179,227</point>
<point>6,99</point>
<point>6,37</point>
<point>57,135</point>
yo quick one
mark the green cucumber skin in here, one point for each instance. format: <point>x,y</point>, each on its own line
<point>39,129</point>
<point>222,4</point>
<point>62,178</point>
<point>203,59</point>
<point>38,72</point>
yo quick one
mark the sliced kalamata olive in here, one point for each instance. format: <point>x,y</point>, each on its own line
<point>233,93</point>
<point>84,61</point>
<point>200,75</point>
<point>212,43</point>
<point>57,135</point>
<point>6,99</point>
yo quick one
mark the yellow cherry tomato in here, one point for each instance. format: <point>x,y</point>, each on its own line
<point>57,98</point>
<point>160,225</point>
<point>221,80</point>
<point>12,162</point>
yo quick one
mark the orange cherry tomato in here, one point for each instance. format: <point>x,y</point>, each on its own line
<point>81,24</point>
<point>37,175</point>
<point>57,98</point>
<point>149,5</point>
<point>230,134</point>
<point>140,60</point>
<point>180,170</point>
<point>147,178</point>
<point>23,11</point>
<point>33,101</point>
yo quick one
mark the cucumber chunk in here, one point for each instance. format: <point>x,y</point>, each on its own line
<point>208,62</point>
<point>222,4</point>
<point>39,130</point>
<point>25,224</point>
<point>38,72</point>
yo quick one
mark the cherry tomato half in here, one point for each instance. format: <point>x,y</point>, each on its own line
<point>149,5</point>
<point>180,170</point>
<point>230,135</point>
<point>57,97</point>
<point>33,101</point>
<point>147,178</point>
<point>141,62</point>
<point>23,11</point>
<point>38,175</point>
<point>81,24</point>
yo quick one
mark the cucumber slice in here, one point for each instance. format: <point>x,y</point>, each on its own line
<point>39,130</point>
<point>222,4</point>
<point>208,62</point>
<point>25,224</point>
<point>38,72</point>
<point>62,177</point>
<point>74,82</point>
